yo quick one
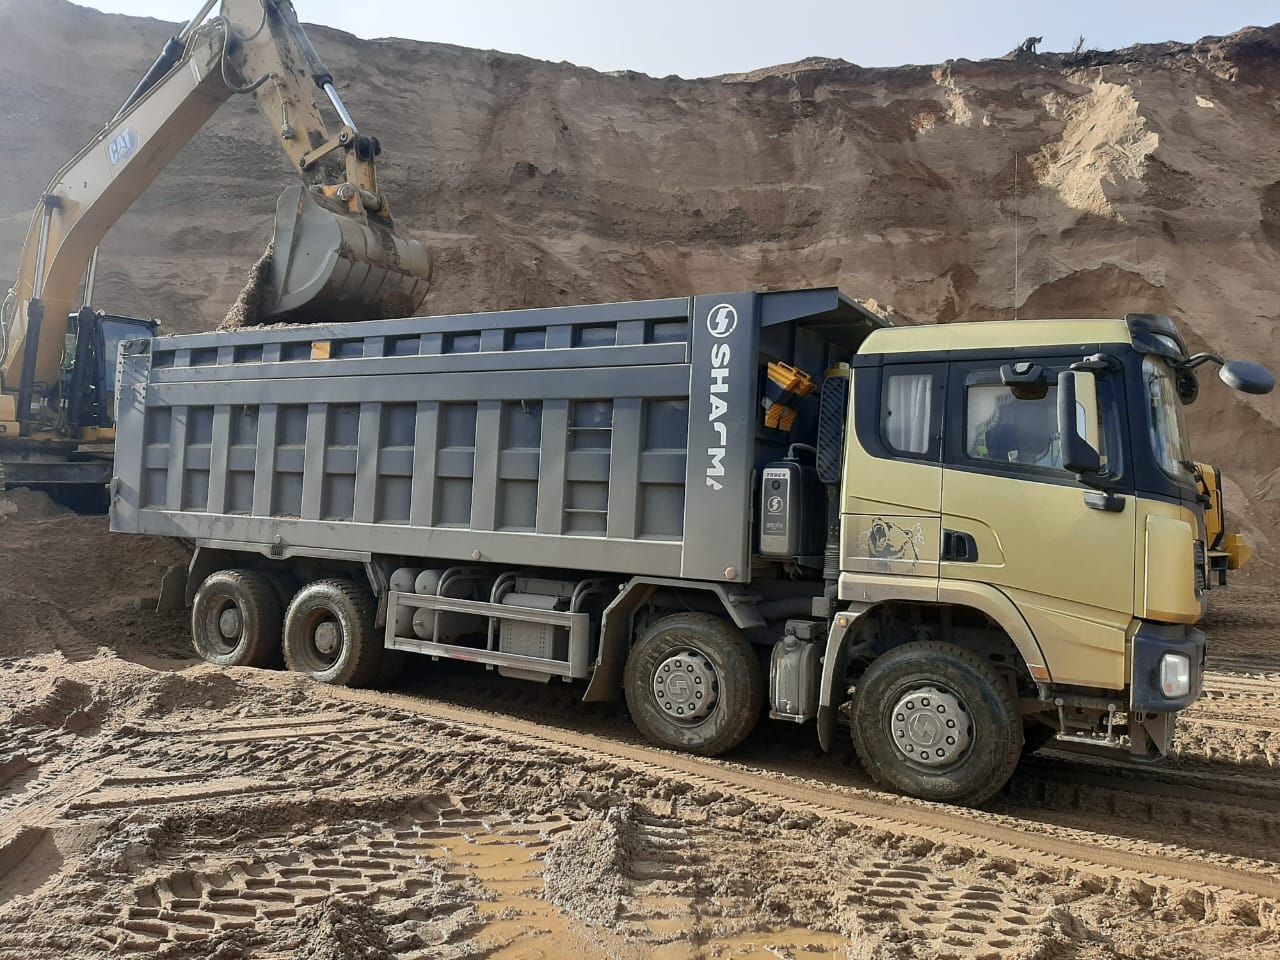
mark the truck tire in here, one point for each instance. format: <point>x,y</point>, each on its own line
<point>693,682</point>
<point>235,619</point>
<point>936,722</point>
<point>329,634</point>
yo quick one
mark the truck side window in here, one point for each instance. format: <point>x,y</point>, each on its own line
<point>908,412</point>
<point>1005,429</point>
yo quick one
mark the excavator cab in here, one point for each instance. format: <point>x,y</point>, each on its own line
<point>93,345</point>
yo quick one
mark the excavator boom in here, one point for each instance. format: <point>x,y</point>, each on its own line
<point>336,253</point>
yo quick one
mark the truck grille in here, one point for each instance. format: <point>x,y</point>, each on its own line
<point>1202,573</point>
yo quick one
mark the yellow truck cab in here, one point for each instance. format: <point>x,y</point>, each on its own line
<point>1022,491</point>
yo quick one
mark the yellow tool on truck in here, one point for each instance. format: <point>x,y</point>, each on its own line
<point>336,255</point>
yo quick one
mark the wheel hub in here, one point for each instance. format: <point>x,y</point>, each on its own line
<point>328,638</point>
<point>685,685</point>
<point>930,726</point>
<point>230,622</point>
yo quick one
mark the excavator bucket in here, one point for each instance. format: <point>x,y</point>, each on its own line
<point>328,265</point>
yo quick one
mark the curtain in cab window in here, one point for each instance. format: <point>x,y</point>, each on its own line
<point>908,399</point>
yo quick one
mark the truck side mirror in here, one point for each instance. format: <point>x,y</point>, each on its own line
<point>1247,376</point>
<point>1078,455</point>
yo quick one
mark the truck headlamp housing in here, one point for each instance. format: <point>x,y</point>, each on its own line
<point>1175,675</point>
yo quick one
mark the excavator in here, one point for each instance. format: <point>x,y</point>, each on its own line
<point>335,254</point>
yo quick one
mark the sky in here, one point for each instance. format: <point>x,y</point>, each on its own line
<point>699,38</point>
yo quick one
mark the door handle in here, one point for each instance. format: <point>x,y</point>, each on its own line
<point>958,547</point>
<point>1104,500</point>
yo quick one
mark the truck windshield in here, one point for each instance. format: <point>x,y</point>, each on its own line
<point>1164,420</point>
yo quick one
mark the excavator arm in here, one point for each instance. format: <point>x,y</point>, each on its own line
<point>341,260</point>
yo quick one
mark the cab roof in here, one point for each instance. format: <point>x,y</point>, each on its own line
<point>995,335</point>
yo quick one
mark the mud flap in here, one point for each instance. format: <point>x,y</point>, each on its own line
<point>1151,735</point>
<point>328,265</point>
<point>173,590</point>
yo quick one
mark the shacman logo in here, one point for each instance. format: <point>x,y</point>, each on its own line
<point>722,320</point>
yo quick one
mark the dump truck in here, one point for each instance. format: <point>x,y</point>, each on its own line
<point>335,254</point>
<point>959,541</point>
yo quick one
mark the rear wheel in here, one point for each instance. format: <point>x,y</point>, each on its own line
<point>693,682</point>
<point>329,634</point>
<point>235,620</point>
<point>936,722</point>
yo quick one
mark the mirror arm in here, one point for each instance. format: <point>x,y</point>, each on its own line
<point>1196,359</point>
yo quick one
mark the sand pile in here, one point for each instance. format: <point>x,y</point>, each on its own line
<point>246,310</point>
<point>68,585</point>
<point>30,505</point>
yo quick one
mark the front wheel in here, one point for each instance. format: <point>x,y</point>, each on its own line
<point>936,722</point>
<point>693,682</point>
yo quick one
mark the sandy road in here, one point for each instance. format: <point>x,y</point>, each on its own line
<point>1053,847</point>
<point>241,807</point>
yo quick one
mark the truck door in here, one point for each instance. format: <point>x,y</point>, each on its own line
<point>1014,518</point>
<point>891,518</point>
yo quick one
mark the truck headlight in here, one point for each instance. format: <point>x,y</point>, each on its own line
<point>1175,675</point>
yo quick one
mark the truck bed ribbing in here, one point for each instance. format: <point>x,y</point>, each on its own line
<point>618,437</point>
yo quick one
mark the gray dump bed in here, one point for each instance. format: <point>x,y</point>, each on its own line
<point>615,438</point>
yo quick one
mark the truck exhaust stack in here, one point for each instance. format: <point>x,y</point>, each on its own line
<point>330,265</point>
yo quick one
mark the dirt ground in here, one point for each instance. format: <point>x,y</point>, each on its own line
<point>152,805</point>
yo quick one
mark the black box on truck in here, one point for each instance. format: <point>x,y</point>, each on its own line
<point>523,489</point>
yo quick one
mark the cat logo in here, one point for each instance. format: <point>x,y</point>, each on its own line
<point>122,146</point>
<point>722,321</point>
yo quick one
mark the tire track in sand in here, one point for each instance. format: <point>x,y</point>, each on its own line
<point>993,835</point>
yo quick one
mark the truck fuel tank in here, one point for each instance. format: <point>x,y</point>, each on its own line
<point>794,671</point>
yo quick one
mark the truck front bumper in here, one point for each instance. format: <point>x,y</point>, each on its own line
<point>1168,676</point>
<point>1168,667</point>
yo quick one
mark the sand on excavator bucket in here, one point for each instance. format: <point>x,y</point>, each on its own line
<point>327,265</point>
